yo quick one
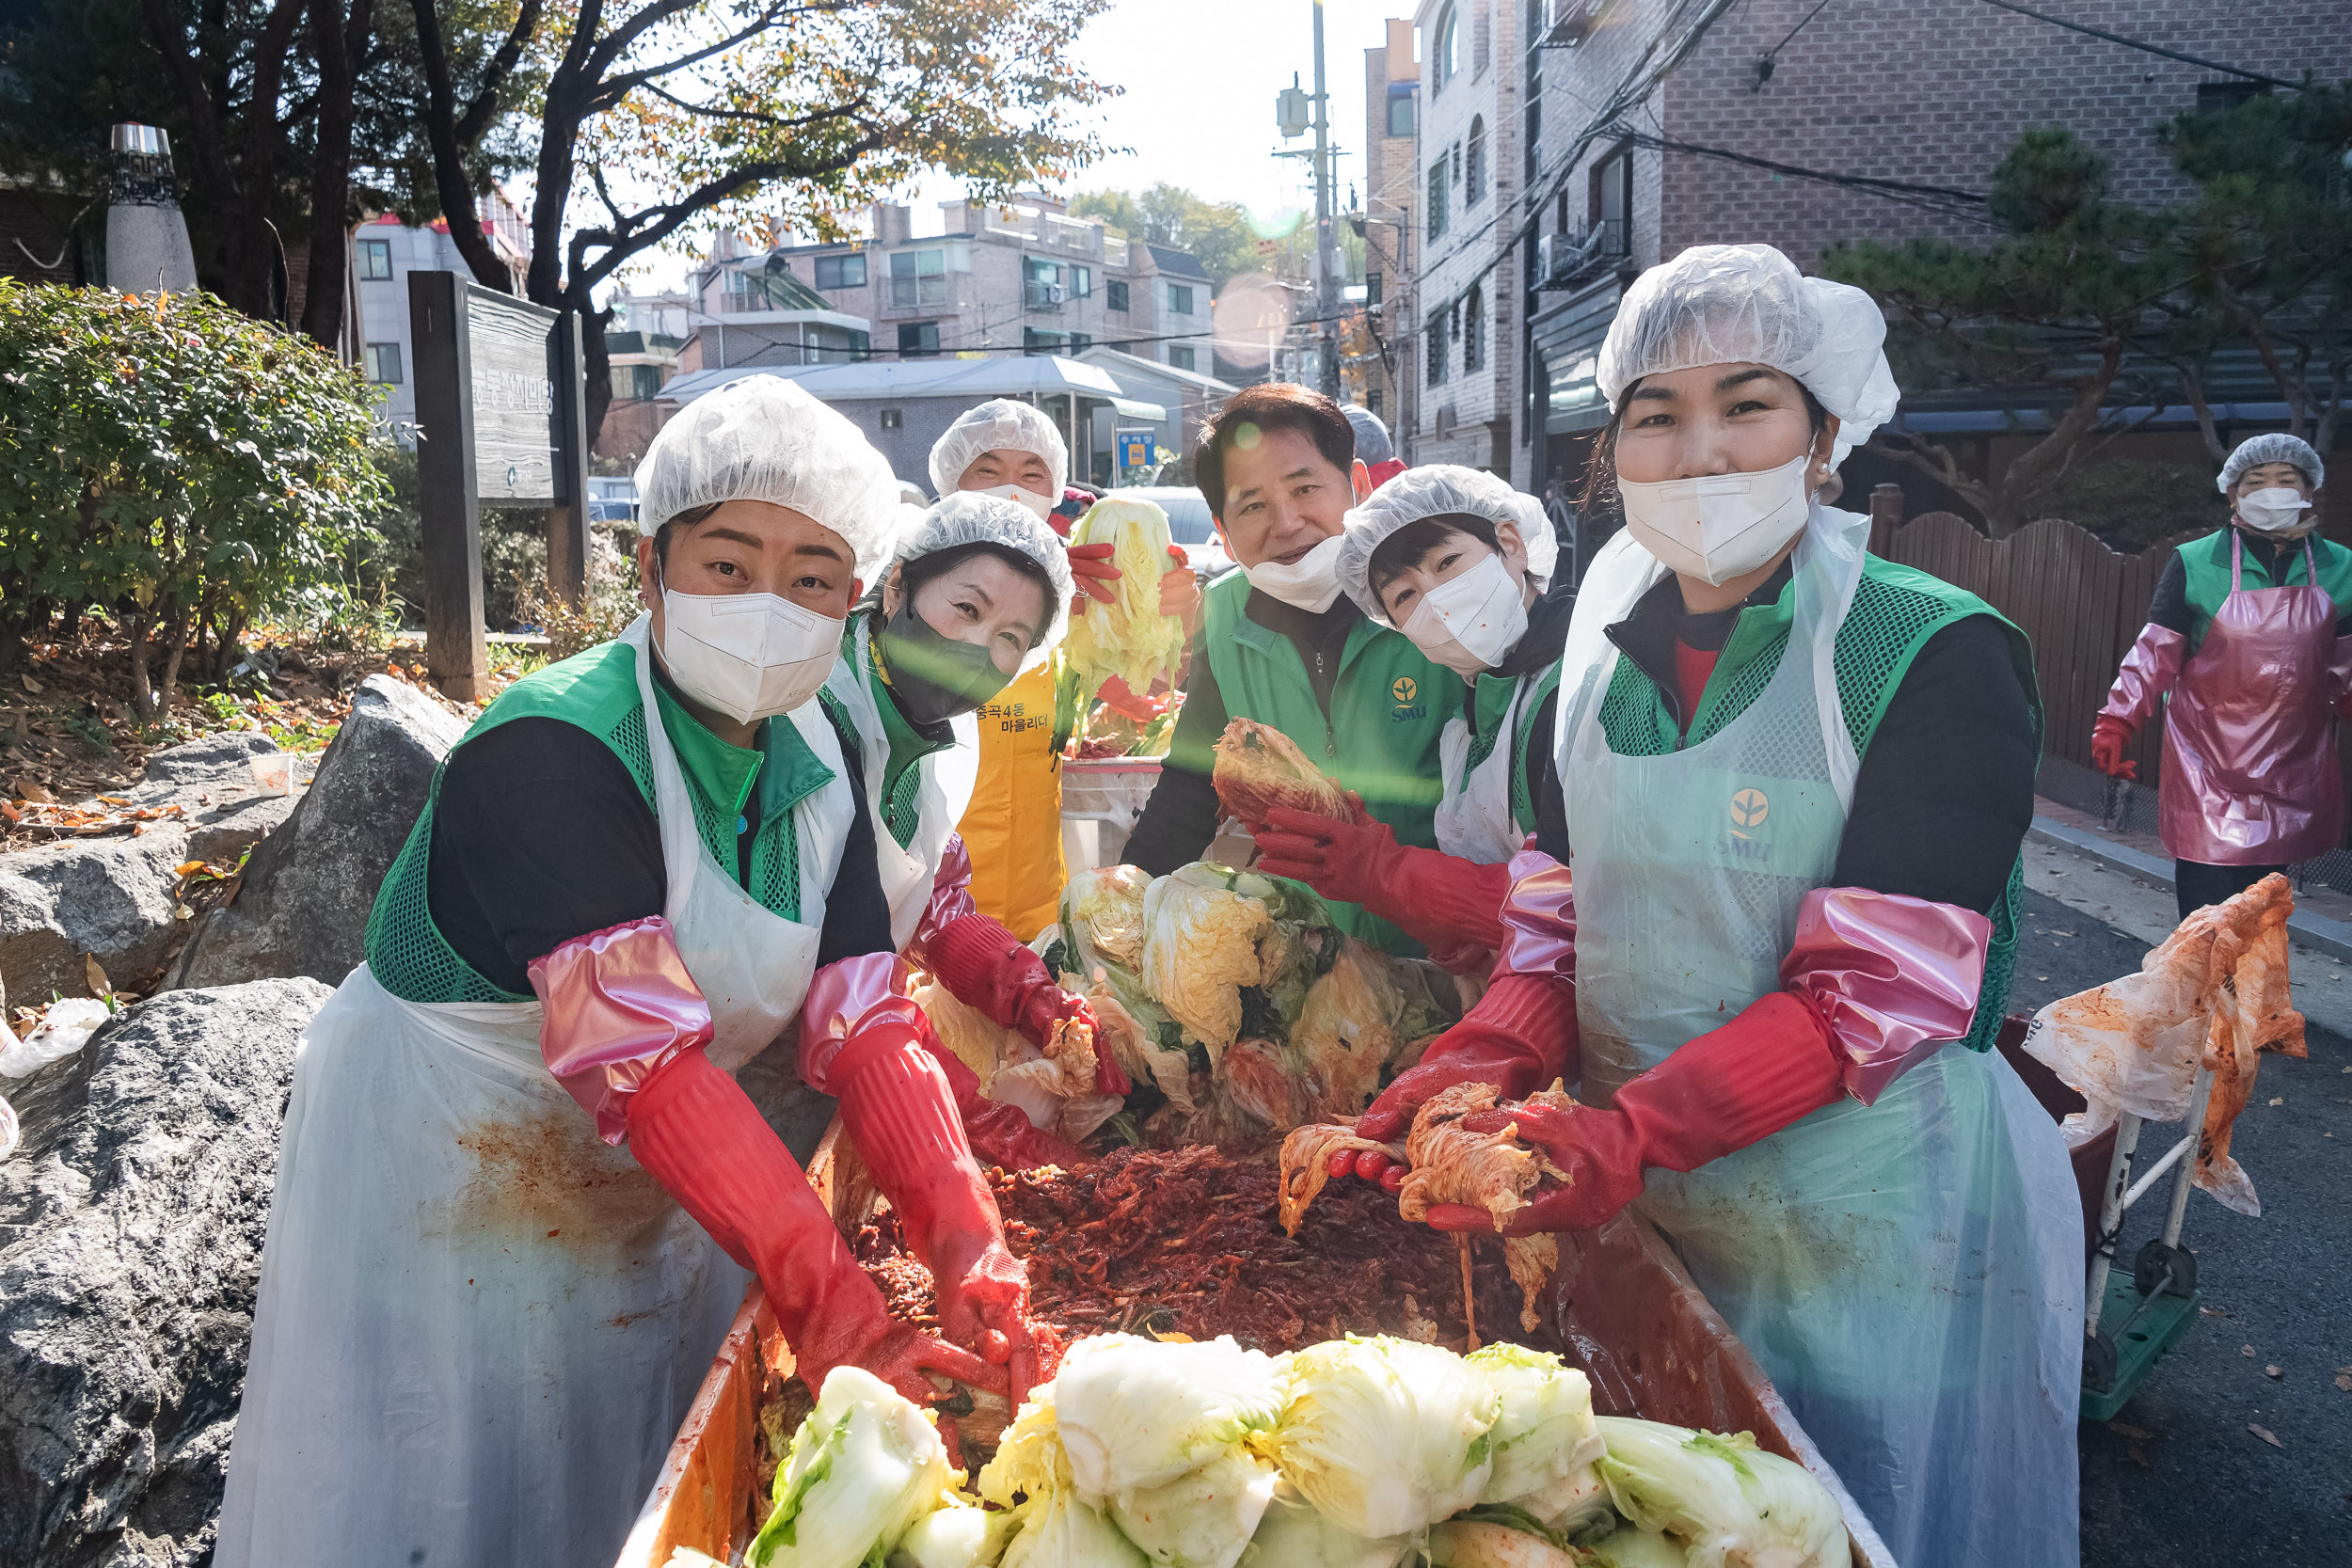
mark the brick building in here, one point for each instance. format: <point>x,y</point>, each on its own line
<point>1649,126</point>
<point>1463,321</point>
<point>1391,197</point>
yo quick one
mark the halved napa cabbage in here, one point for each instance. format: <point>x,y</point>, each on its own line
<point>1137,1413</point>
<point>864,1466</point>
<point>1200,948</point>
<point>1128,637</point>
<point>1544,1436</point>
<point>1066,1531</point>
<point>1293,1534</point>
<point>1386,1436</point>
<point>1202,1519</point>
<point>1727,1499</point>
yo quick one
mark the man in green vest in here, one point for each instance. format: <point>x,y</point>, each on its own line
<point>1279,643</point>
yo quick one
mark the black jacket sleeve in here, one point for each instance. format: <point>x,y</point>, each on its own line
<point>857,917</point>
<point>539,836</point>
<point>2170,608</point>
<point>1946,791</point>
<point>1180,817</point>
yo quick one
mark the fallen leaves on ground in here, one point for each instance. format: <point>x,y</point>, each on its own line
<point>2264,1433</point>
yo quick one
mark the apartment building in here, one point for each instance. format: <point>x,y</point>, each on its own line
<point>1024,277</point>
<point>747,309</point>
<point>1466,314</point>
<point>383,253</point>
<point>1392,184</point>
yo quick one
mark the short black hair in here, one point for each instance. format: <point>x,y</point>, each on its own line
<point>915,574</point>
<point>1409,546</point>
<point>1271,406</point>
<point>680,522</point>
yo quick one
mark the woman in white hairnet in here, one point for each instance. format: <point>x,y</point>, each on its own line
<point>1461,564</point>
<point>1792,781</point>
<point>977,591</point>
<point>2249,637</point>
<point>1012,827</point>
<point>519,1193</point>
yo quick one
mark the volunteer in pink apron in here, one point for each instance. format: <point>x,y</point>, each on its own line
<point>2246,637</point>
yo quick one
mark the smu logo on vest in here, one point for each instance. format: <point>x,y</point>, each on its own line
<point>1404,689</point>
<point>1750,808</point>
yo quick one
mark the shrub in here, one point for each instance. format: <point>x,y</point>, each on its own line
<point>174,463</point>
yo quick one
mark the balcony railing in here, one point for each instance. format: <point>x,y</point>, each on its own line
<point>1563,260</point>
<point>1037,296</point>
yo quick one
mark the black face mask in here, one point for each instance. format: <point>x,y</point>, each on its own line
<point>931,677</point>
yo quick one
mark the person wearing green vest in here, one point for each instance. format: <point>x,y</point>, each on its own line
<point>1279,643</point>
<point>1777,884</point>
<point>1461,563</point>
<point>2248,648</point>
<point>520,1191</point>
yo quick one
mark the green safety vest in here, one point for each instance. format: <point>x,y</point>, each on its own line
<point>1389,711</point>
<point>1896,609</point>
<point>2208,563</point>
<point>596,691</point>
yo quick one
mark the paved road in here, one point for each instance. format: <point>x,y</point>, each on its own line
<point>2177,1477</point>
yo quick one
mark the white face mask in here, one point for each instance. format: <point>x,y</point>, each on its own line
<point>1041,505</point>
<point>2275,511</point>
<point>1720,526</point>
<point>1469,623</point>
<point>1310,583</point>
<point>750,656</point>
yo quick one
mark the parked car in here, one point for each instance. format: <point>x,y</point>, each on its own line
<point>1188,523</point>
<point>612,499</point>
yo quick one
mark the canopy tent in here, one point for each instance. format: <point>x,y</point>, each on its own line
<point>1006,376</point>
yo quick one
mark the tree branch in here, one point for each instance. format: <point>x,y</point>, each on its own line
<point>477,115</point>
<point>449,184</point>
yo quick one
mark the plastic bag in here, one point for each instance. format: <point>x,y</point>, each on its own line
<point>63,1030</point>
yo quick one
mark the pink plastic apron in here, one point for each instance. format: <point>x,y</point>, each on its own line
<point>2250,776</point>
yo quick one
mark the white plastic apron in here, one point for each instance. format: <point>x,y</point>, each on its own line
<point>945,788</point>
<point>480,1326</point>
<point>1908,1273</point>
<point>1475,819</point>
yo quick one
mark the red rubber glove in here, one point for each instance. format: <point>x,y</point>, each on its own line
<point>896,1108</point>
<point>2109,735</point>
<point>699,1136</point>
<point>1726,1089</point>
<point>1091,568</point>
<point>985,966</point>
<point>1444,902</point>
<point>1519,1037</point>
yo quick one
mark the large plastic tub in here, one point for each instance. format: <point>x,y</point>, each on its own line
<point>1101,799</point>
<point>1626,1309</point>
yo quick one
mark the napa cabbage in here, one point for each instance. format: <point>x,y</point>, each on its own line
<point>1386,1436</point>
<point>1293,1534</point>
<point>1202,1519</point>
<point>1137,1413</point>
<point>1545,1438</point>
<point>1732,1504</point>
<point>1128,637</point>
<point>864,1466</point>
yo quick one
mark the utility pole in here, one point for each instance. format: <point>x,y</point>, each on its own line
<point>1327,288</point>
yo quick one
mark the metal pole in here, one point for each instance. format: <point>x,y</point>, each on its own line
<point>1326,330</point>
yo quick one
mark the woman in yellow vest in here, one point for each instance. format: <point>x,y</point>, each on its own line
<point>1012,827</point>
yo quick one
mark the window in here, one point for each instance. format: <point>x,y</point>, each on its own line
<point>1474,166</point>
<point>1479,32</point>
<point>861,343</point>
<point>2219,97</point>
<point>630,383</point>
<point>1081,282</point>
<point>1446,58</point>
<point>918,277</point>
<point>1041,284</point>
<point>381,364</point>
<point>1475,330</point>
<point>1400,110</point>
<point>375,260</point>
<point>1433,367</point>
<point>917,338</point>
<point>1117,291</point>
<point>1453,155</point>
<point>1613,203</point>
<point>893,418</point>
<point>1080,343</point>
<point>1436,199</point>
<point>1180,356</point>
<point>1180,298</point>
<point>1372,401</point>
<point>841,272</point>
<point>1371,291</point>
<point>1034,341</point>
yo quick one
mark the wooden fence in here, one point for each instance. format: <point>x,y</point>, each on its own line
<point>2080,603</point>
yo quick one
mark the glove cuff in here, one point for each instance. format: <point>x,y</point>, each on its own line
<point>1891,978</point>
<point>1538,919</point>
<point>616,1006</point>
<point>1732,1087</point>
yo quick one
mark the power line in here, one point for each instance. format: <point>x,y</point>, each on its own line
<point>1942,200</point>
<point>2146,48</point>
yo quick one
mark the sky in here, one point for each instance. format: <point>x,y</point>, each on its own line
<point>1197,109</point>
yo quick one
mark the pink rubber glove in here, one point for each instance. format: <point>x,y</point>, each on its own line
<point>1442,901</point>
<point>1730,1087</point>
<point>985,966</point>
<point>698,1134</point>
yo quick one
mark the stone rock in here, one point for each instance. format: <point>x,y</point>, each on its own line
<point>302,907</point>
<point>110,898</point>
<point>132,1221</point>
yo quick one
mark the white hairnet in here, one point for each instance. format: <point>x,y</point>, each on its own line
<point>1748,304</point>
<point>1000,425</point>
<point>2277,446</point>
<point>1371,437</point>
<point>1431,492</point>
<point>763,439</point>
<point>961,518</point>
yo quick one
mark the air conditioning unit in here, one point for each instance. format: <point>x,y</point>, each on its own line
<point>1055,294</point>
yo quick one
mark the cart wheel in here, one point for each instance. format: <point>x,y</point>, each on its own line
<point>2149,1267</point>
<point>2099,1362</point>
